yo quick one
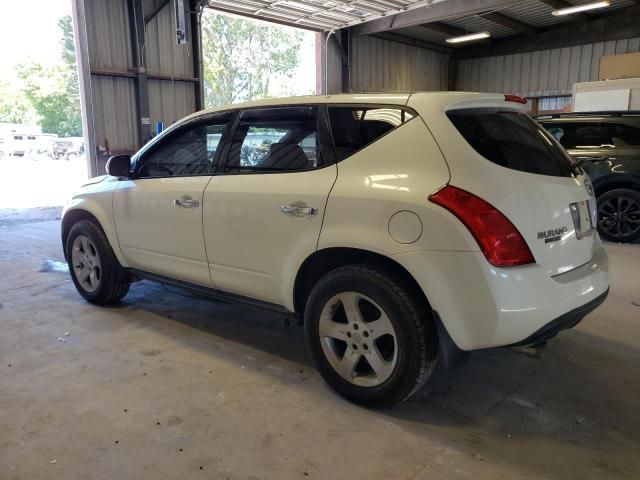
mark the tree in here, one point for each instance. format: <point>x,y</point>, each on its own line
<point>242,57</point>
<point>14,106</point>
<point>53,91</point>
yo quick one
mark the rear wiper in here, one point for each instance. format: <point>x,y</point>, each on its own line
<point>575,167</point>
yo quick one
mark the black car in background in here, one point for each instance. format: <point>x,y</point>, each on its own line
<point>607,146</point>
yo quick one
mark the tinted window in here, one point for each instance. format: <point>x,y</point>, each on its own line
<point>579,134</point>
<point>512,140</point>
<point>188,151</point>
<point>627,134</point>
<point>356,127</point>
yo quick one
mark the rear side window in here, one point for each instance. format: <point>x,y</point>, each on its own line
<point>579,134</point>
<point>512,140</point>
<point>353,128</point>
<point>278,139</point>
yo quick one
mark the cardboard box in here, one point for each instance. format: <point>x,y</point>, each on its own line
<point>607,90</point>
<point>613,67</point>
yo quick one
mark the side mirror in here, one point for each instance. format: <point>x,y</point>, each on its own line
<point>119,166</point>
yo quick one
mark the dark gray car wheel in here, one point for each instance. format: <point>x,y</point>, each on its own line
<point>619,215</point>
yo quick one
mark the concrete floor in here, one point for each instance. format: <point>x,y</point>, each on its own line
<point>168,385</point>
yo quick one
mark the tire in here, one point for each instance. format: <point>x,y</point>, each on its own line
<point>94,268</point>
<point>619,215</point>
<point>403,359</point>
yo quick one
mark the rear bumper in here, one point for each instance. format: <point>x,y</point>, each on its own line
<point>563,322</point>
<point>482,306</point>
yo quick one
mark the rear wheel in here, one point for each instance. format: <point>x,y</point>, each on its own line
<point>619,215</point>
<point>94,268</point>
<point>371,339</point>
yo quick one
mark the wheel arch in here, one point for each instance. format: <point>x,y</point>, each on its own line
<point>613,184</point>
<point>73,216</point>
<point>323,261</point>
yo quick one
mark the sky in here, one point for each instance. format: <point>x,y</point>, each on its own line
<point>28,35</point>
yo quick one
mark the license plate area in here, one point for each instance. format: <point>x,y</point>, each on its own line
<point>582,214</point>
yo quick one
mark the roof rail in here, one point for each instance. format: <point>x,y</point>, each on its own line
<point>607,113</point>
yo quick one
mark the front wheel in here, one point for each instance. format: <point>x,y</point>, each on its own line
<point>371,339</point>
<point>94,268</point>
<point>619,215</point>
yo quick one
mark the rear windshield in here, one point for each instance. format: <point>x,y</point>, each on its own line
<point>512,140</point>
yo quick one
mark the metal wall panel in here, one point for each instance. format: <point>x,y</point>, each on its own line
<point>114,107</point>
<point>164,55</point>
<point>541,73</point>
<point>108,34</point>
<point>170,101</point>
<point>379,65</point>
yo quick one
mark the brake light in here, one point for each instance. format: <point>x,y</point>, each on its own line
<point>515,98</point>
<point>499,240</point>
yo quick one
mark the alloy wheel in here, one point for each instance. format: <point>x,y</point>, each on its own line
<point>86,264</point>
<point>619,216</point>
<point>358,339</point>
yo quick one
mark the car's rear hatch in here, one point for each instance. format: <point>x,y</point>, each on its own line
<point>498,153</point>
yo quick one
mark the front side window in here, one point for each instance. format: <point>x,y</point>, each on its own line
<point>353,128</point>
<point>276,139</point>
<point>189,151</point>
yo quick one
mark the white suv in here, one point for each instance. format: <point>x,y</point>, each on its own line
<point>400,227</point>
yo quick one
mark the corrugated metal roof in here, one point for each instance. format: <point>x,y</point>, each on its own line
<point>333,14</point>
<point>319,14</point>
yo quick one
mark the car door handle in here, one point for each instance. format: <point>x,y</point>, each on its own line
<point>186,202</point>
<point>296,211</point>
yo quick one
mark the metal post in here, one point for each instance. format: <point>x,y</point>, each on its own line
<point>345,50</point>
<point>84,82</point>
<point>196,42</point>
<point>136,23</point>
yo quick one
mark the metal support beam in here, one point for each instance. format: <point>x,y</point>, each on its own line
<point>150,75</point>
<point>84,81</point>
<point>432,13</point>
<point>345,49</point>
<point>452,73</point>
<point>623,25</point>
<point>136,24</point>
<point>414,42</point>
<point>196,48</point>
<point>154,13</point>
<point>510,22</point>
<point>444,28</point>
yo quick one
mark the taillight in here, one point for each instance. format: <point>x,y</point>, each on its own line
<point>515,98</point>
<point>498,238</point>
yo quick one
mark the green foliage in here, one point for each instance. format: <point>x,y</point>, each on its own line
<point>53,91</point>
<point>241,58</point>
<point>14,106</point>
